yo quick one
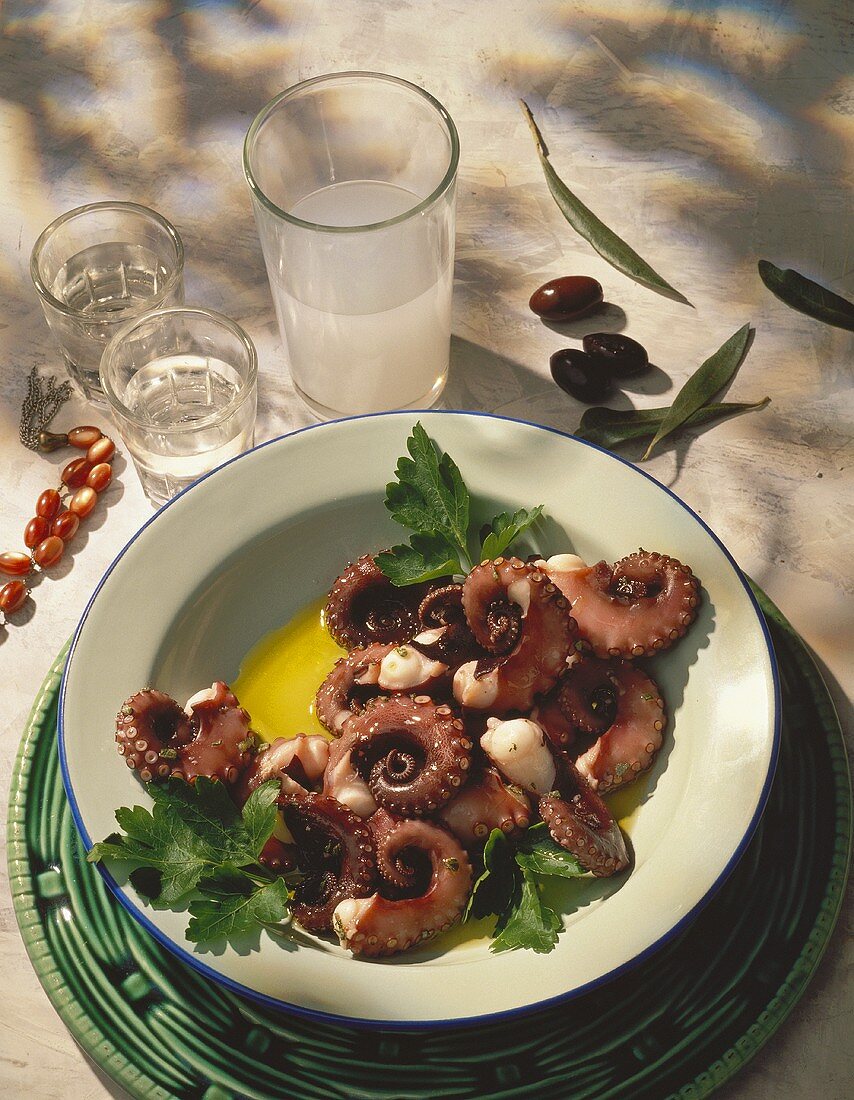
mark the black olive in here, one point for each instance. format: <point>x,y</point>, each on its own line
<point>621,355</point>
<point>580,375</point>
<point>567,298</point>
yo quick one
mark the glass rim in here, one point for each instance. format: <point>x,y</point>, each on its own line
<point>249,383</point>
<point>360,74</point>
<point>88,208</point>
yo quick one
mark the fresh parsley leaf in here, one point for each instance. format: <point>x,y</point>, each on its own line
<point>510,887</point>
<point>430,498</point>
<point>527,922</point>
<point>427,557</point>
<point>259,815</point>
<point>505,529</point>
<point>161,841</point>
<point>194,831</point>
<point>542,856</point>
<point>206,807</point>
<point>493,890</point>
<point>231,905</point>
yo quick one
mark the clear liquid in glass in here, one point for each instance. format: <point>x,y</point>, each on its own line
<point>183,391</point>
<point>107,283</point>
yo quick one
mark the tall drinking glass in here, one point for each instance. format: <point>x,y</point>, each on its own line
<point>96,267</point>
<point>353,181</point>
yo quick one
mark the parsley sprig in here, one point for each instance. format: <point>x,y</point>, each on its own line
<point>510,887</point>
<point>195,846</point>
<point>430,499</point>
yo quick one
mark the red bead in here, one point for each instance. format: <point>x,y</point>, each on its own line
<point>100,477</point>
<point>12,596</point>
<point>37,529</point>
<point>48,552</point>
<point>48,504</point>
<point>83,501</point>
<point>75,473</point>
<point>65,525</point>
<point>102,450</point>
<point>84,436</point>
<point>15,563</point>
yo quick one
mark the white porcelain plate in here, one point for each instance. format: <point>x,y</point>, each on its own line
<point>240,552</point>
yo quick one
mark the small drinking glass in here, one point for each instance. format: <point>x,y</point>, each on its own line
<point>96,267</point>
<point>182,387</point>
<point>353,181</point>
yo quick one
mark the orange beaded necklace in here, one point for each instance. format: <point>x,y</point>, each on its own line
<point>58,511</point>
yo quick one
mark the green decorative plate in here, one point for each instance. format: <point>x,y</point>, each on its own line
<point>678,1025</point>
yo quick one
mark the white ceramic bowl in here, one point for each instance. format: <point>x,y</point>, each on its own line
<point>240,552</point>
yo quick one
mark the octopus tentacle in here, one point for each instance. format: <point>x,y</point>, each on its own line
<point>411,850</point>
<point>521,618</point>
<point>302,758</point>
<point>278,857</point>
<point>349,685</point>
<point>222,743</point>
<point>343,782</point>
<point>637,608</point>
<point>629,745</point>
<point>442,606</point>
<point>401,871</point>
<point>587,695</point>
<point>364,607</point>
<point>484,804</point>
<point>420,665</point>
<point>550,715</point>
<point>580,822</point>
<point>149,726</point>
<point>520,750</point>
<point>335,850</point>
<point>412,753</point>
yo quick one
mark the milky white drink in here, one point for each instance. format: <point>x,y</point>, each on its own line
<point>366,318</point>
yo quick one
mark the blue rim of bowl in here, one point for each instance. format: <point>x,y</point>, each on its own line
<point>470,1021</point>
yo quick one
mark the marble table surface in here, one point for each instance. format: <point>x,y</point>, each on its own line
<point>710,135</point>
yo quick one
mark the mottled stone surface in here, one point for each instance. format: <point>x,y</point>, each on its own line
<point>709,135</point>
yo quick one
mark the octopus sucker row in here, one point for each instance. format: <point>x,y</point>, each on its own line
<point>334,850</point>
<point>410,752</point>
<point>364,607</point>
<point>211,736</point>
<point>638,607</point>
<point>381,925</point>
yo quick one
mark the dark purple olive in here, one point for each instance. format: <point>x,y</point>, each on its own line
<point>621,355</point>
<point>567,298</point>
<point>580,375</point>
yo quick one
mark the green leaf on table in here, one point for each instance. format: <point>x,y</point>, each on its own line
<point>806,296</point>
<point>424,559</point>
<point>505,528</point>
<point>493,889</point>
<point>231,904</point>
<point>704,383</point>
<point>612,427</point>
<point>592,229</point>
<point>528,922</point>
